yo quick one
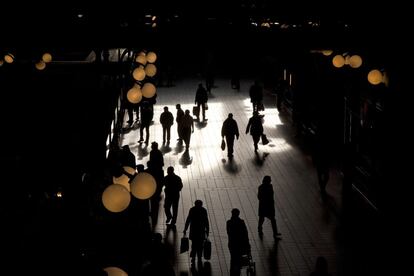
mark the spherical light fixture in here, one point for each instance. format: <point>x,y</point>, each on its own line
<point>115,271</point>
<point>143,185</point>
<point>134,95</point>
<point>338,61</point>
<point>116,198</point>
<point>47,57</point>
<point>327,52</point>
<point>148,90</point>
<point>9,58</point>
<point>141,59</point>
<point>355,61</point>
<point>124,179</point>
<point>375,77</point>
<point>151,57</point>
<point>41,65</point>
<point>150,70</point>
<point>138,74</point>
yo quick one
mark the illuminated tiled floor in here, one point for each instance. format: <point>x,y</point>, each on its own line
<point>306,223</point>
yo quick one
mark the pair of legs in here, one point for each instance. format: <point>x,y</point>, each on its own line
<point>235,263</point>
<point>196,250</point>
<point>186,134</point>
<point>230,144</point>
<point>166,133</point>
<point>256,139</point>
<point>203,110</point>
<point>274,226</point>
<point>171,201</point>
<point>141,133</point>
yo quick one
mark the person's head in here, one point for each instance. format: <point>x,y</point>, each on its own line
<point>140,168</point>
<point>321,264</point>
<point>170,170</point>
<point>231,115</point>
<point>165,108</point>
<point>267,179</point>
<point>235,213</point>
<point>178,106</point>
<point>154,145</point>
<point>187,112</point>
<point>198,203</point>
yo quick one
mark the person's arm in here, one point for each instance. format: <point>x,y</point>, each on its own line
<point>187,222</point>
<point>192,125</point>
<point>222,131</point>
<point>237,130</point>
<point>248,125</point>
<point>207,225</point>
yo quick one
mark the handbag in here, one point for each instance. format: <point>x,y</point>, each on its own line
<point>223,144</point>
<point>265,141</point>
<point>185,244</point>
<point>196,110</point>
<point>207,249</point>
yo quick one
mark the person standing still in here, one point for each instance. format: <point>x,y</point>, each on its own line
<point>173,185</point>
<point>166,120</point>
<point>230,130</point>
<point>201,99</point>
<point>267,206</point>
<point>197,219</point>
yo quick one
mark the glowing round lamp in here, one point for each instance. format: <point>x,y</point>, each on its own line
<point>115,271</point>
<point>150,70</point>
<point>327,52</point>
<point>124,179</point>
<point>148,90</point>
<point>47,57</point>
<point>9,58</point>
<point>143,185</point>
<point>338,61</point>
<point>375,77</point>
<point>142,53</point>
<point>138,74</point>
<point>141,59</point>
<point>41,65</point>
<point>151,57</point>
<point>116,198</point>
<point>134,95</point>
<point>355,61</point>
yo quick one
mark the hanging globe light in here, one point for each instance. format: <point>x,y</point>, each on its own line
<point>355,61</point>
<point>141,59</point>
<point>9,58</point>
<point>151,57</point>
<point>41,65</point>
<point>148,90</point>
<point>134,95</point>
<point>115,271</point>
<point>327,52</point>
<point>47,57</point>
<point>338,61</point>
<point>375,77</point>
<point>124,179</point>
<point>150,70</point>
<point>143,185</point>
<point>138,73</point>
<point>116,198</point>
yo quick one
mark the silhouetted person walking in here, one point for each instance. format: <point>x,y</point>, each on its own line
<point>256,128</point>
<point>127,157</point>
<point>197,219</point>
<point>321,267</point>
<point>230,130</point>
<point>256,95</point>
<point>178,119</point>
<point>267,206</point>
<point>201,99</point>
<point>173,185</point>
<point>238,241</point>
<point>187,127</point>
<point>166,120</point>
